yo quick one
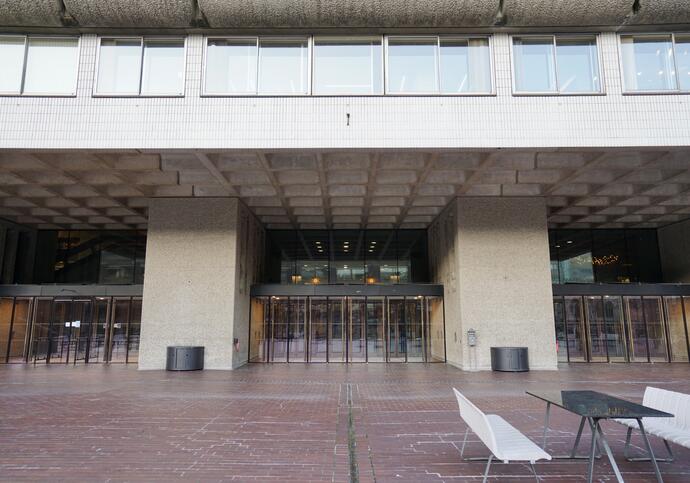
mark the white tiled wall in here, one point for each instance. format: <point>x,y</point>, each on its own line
<point>504,120</point>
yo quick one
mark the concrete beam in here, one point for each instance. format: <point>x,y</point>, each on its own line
<point>131,13</point>
<point>22,13</point>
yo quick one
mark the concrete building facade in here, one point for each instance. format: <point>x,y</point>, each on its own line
<point>344,181</point>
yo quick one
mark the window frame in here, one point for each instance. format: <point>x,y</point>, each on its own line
<point>287,38</point>
<point>624,88</point>
<point>557,93</point>
<point>22,83</point>
<point>204,66</point>
<point>142,39</point>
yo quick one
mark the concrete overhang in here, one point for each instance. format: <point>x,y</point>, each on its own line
<point>583,188</point>
<point>338,14</point>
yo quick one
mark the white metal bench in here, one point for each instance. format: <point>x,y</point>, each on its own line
<point>675,429</point>
<point>504,441</point>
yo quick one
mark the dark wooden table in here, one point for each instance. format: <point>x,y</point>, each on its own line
<point>593,407</point>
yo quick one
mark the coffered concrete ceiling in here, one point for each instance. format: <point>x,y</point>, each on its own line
<point>316,189</point>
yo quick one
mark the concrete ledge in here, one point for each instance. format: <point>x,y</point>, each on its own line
<point>545,13</point>
<point>661,12</point>
<point>131,13</point>
<point>30,13</point>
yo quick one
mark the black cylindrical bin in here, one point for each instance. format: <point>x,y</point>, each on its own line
<point>185,358</point>
<point>509,359</point>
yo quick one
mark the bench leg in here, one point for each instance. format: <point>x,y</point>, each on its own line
<point>670,458</point>
<point>534,471</point>
<point>462,450</point>
<point>486,471</point>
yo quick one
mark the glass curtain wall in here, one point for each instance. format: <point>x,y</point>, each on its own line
<point>347,329</point>
<point>613,328</point>
<point>69,330</point>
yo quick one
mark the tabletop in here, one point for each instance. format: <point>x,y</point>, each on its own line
<point>593,404</point>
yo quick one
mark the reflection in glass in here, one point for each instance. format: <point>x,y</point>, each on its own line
<point>40,334</point>
<point>376,351</point>
<point>397,346</point>
<point>358,330</point>
<point>465,66</point>
<point>412,65</point>
<point>597,329</point>
<point>51,66</point>
<point>637,330</point>
<point>134,331</point>
<point>351,66</point>
<point>414,335</point>
<point>437,336</point>
<point>257,329</point>
<point>163,72</point>
<point>578,64</point>
<point>280,311</point>
<point>283,66</point>
<point>337,330</point>
<point>648,63</point>
<point>6,310</point>
<point>119,66</point>
<point>12,62</point>
<point>534,64</point>
<point>99,331</point>
<point>81,327</point>
<point>575,329</point>
<point>318,330</point>
<point>561,340</point>
<point>231,66</point>
<point>297,335</point>
<point>19,331</point>
<point>118,330</point>
<point>615,330</point>
<point>609,256</point>
<point>682,55</point>
<point>676,319</point>
<point>656,333</point>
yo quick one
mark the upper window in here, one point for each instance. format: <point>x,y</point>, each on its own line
<point>656,63</point>
<point>136,66</point>
<point>38,65</point>
<point>556,64</point>
<point>432,65</point>
<point>348,66</point>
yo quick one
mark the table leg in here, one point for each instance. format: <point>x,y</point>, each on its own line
<point>546,424</point>
<point>649,450</point>
<point>577,439</point>
<point>592,452</point>
<point>612,460</point>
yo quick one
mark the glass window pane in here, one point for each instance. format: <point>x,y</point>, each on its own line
<point>575,330</point>
<point>534,65</point>
<point>51,66</point>
<point>12,61</point>
<point>231,66</point>
<point>574,251</point>
<point>578,65</point>
<point>648,63</point>
<point>676,329</point>
<point>283,66</point>
<point>119,66</point>
<point>347,66</point>
<point>163,71</point>
<point>465,66</point>
<point>412,65</point>
<point>682,52</point>
<point>609,256</point>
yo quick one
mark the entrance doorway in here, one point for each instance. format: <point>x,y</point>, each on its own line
<point>347,329</point>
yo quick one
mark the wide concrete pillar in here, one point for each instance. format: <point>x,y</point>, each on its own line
<point>492,256</point>
<point>674,249</point>
<point>202,256</point>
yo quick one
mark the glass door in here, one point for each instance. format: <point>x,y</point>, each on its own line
<point>414,335</point>
<point>81,328</point>
<point>396,329</point>
<point>675,318</point>
<point>297,344</point>
<point>375,329</point>
<point>357,344</point>
<point>280,311</point>
<point>318,329</point>
<point>656,331</point>
<point>597,329</point>
<point>337,330</point>
<point>615,329</point>
<point>575,329</point>
<point>99,331</point>
<point>637,330</point>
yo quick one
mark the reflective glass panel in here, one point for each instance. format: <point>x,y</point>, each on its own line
<point>6,308</point>
<point>575,329</point>
<point>437,334</point>
<point>415,328</point>
<point>397,348</point>
<point>298,321</point>
<point>465,66</point>
<point>351,66</point>
<point>609,256</point>
<point>119,66</point>
<point>51,66</point>
<point>318,330</point>
<point>682,53</point>
<point>99,331</point>
<point>12,62</point>
<point>163,72</point>
<point>40,334</point>
<point>134,331</point>
<point>280,310</point>
<point>20,330</point>
<point>578,65</point>
<point>412,65</point>
<point>257,329</point>
<point>596,328</point>
<point>637,330</point>
<point>118,330</point>
<point>231,66</point>
<point>574,252</point>
<point>337,329</point>
<point>376,351</point>
<point>61,330</point>
<point>677,334</point>
<point>648,63</point>
<point>561,340</point>
<point>656,333</point>
<point>81,328</point>
<point>283,66</point>
<point>615,330</point>
<point>534,64</point>
<point>358,330</point>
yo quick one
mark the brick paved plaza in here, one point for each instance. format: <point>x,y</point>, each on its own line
<point>296,422</point>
